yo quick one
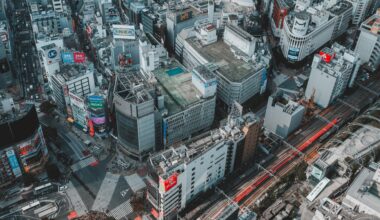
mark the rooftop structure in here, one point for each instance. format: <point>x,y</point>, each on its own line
<point>363,194</point>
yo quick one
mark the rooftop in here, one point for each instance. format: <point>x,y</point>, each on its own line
<point>220,54</point>
<point>372,24</point>
<point>70,72</point>
<point>131,86</point>
<point>177,87</point>
<point>363,190</point>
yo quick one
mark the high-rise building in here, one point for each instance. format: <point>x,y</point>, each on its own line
<point>23,148</point>
<point>361,9</point>
<point>368,44</point>
<point>178,175</point>
<point>281,8</point>
<point>135,114</point>
<point>124,47</point>
<point>310,26</point>
<point>239,61</point>
<point>332,70</point>
<point>75,78</point>
<point>283,115</point>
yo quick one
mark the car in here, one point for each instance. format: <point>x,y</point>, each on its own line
<point>62,188</point>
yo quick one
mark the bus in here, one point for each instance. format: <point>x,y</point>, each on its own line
<point>43,189</point>
<point>32,204</point>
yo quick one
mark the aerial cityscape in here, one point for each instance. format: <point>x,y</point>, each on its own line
<point>190,109</point>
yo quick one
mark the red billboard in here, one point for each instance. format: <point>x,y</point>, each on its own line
<point>79,57</point>
<point>327,55</point>
<point>170,182</point>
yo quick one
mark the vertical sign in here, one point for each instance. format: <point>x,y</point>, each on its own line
<point>13,163</point>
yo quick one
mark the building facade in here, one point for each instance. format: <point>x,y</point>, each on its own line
<point>135,115</point>
<point>311,26</point>
<point>283,115</point>
<point>332,70</point>
<point>368,44</point>
<point>178,175</point>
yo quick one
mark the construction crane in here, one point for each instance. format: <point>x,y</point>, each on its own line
<point>309,105</point>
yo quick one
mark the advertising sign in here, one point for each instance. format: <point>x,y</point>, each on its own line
<point>25,148</point>
<point>169,183</point>
<point>98,120</point>
<point>4,36</point>
<point>293,53</point>
<point>327,56</point>
<point>184,16</point>
<point>67,57</point>
<point>76,100</point>
<point>79,57</point>
<point>95,102</point>
<point>13,163</point>
<point>52,53</point>
<point>123,32</point>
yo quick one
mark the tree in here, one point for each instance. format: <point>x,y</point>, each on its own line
<point>47,107</point>
<point>50,132</point>
<point>28,179</point>
<point>53,171</point>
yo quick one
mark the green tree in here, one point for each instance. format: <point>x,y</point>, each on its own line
<point>53,171</point>
<point>28,179</point>
<point>47,107</point>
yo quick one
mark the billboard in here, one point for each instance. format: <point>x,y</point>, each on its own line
<point>169,183</point>
<point>52,53</point>
<point>184,16</point>
<point>79,57</point>
<point>76,100</point>
<point>95,102</point>
<point>67,57</point>
<point>13,163</point>
<point>293,53</point>
<point>327,55</point>
<point>4,36</point>
<point>98,120</point>
<point>124,32</point>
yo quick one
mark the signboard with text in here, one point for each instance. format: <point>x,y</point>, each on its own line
<point>67,57</point>
<point>13,163</point>
<point>79,57</point>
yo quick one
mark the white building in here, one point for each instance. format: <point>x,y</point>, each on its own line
<point>368,44</point>
<point>50,56</point>
<point>332,71</point>
<point>239,61</point>
<point>311,26</point>
<point>363,196</point>
<point>151,54</point>
<point>75,78</point>
<point>360,11</point>
<point>178,175</point>
<point>282,115</point>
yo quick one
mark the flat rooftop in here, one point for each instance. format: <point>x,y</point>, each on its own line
<point>70,72</point>
<point>362,190</point>
<point>177,87</point>
<point>219,53</point>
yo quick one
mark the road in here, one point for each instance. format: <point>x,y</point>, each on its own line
<point>26,62</point>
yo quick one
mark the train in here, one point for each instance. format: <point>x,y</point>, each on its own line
<point>249,189</point>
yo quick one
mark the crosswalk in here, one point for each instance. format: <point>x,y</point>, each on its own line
<point>122,210</point>
<point>105,192</point>
<point>83,163</point>
<point>75,199</point>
